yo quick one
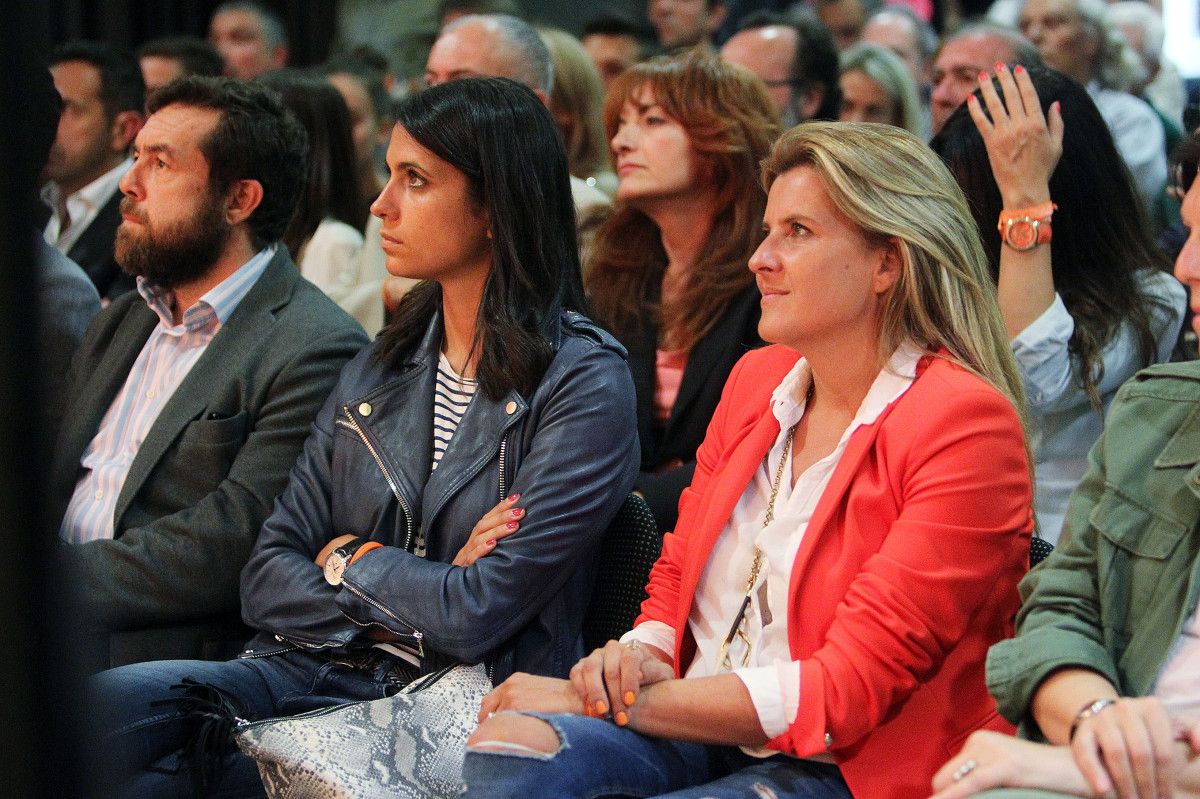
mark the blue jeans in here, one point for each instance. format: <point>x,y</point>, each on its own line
<point>135,745</point>
<point>599,759</point>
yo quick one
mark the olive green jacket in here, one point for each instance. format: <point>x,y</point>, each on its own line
<point>1124,579</point>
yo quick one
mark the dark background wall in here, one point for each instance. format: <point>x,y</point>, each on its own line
<point>311,24</point>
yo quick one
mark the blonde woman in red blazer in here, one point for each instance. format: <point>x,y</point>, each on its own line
<point>858,521</point>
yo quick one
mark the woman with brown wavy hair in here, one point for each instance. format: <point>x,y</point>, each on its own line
<point>668,268</point>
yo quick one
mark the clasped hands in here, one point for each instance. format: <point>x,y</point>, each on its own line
<point>1131,750</point>
<point>605,684</point>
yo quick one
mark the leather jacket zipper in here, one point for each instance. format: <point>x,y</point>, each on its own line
<point>350,423</point>
<point>503,452</point>
<point>417,637</point>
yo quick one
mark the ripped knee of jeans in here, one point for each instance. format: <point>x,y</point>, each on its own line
<point>517,735</point>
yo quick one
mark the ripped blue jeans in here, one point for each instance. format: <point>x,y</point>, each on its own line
<point>599,759</point>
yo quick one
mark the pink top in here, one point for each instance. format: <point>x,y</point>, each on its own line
<point>668,374</point>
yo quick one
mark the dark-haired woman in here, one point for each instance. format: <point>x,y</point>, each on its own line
<point>487,385</point>
<point>325,236</point>
<point>668,269</point>
<point>1086,307</point>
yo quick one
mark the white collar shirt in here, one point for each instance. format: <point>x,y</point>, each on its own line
<point>82,206</point>
<point>772,677</point>
<point>165,360</point>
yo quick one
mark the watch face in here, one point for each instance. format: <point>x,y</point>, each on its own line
<point>335,567</point>
<point>1022,234</point>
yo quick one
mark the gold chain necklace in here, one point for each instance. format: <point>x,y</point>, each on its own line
<point>735,630</point>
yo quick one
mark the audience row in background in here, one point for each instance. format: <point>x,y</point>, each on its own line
<point>1081,310</point>
<point>344,257</point>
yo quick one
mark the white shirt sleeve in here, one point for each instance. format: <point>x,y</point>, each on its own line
<point>1044,360</point>
<point>653,633</point>
<point>775,693</point>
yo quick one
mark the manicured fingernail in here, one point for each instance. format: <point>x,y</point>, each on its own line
<point>983,76</point>
<point>513,498</point>
<point>518,512</point>
<point>1020,70</point>
<point>1000,66</point>
<point>511,525</point>
<point>491,542</point>
<point>622,718</point>
<point>630,697</point>
<point>1056,106</point>
<point>601,707</point>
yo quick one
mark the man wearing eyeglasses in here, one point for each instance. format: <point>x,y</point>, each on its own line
<point>796,57</point>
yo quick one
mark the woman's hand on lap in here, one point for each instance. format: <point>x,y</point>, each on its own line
<point>529,692</point>
<point>609,680</point>
<point>993,760</point>
<point>1128,748</point>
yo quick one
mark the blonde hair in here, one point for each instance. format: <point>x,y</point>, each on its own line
<point>892,186</point>
<point>578,93</point>
<point>890,72</point>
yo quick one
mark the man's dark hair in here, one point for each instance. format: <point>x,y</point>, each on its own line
<point>197,56</point>
<point>613,25</point>
<point>43,107</point>
<point>816,60</point>
<point>121,86</point>
<point>257,138</point>
<point>503,139</point>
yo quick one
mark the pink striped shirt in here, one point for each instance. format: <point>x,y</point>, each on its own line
<point>165,360</point>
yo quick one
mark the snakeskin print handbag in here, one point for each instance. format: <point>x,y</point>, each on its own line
<point>408,745</point>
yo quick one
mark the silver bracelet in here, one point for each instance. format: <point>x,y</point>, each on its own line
<point>1090,709</point>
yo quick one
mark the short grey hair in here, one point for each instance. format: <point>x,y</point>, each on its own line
<point>1141,15</point>
<point>273,29</point>
<point>1024,51</point>
<point>537,70</point>
<point>927,38</point>
<point>1117,65</point>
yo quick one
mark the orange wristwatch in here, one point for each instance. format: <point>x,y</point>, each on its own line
<point>1026,228</point>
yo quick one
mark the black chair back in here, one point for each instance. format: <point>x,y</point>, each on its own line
<point>631,545</point>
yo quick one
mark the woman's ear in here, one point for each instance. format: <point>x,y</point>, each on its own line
<point>891,263</point>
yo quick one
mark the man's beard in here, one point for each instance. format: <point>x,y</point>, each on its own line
<point>176,254</point>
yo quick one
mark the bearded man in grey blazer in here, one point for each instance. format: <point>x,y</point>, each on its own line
<point>192,396</point>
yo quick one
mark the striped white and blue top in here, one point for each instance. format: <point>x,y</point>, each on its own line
<point>451,396</point>
<point>165,360</point>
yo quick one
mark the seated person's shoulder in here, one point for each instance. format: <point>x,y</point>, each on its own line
<point>310,306</point>
<point>1171,382</point>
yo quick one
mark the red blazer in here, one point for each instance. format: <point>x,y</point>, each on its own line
<point>906,575</point>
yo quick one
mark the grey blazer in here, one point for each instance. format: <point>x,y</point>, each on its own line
<point>206,475</point>
<point>67,303</point>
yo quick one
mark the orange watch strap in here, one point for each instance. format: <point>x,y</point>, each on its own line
<point>364,549</point>
<point>1042,212</point>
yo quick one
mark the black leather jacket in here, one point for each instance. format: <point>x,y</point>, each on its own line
<point>570,450</point>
